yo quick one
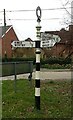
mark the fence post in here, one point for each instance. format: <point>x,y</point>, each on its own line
<point>30,76</point>
<point>15,76</point>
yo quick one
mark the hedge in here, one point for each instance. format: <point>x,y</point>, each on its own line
<point>52,60</point>
<point>17,59</point>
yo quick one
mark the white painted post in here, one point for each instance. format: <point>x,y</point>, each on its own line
<point>37,74</point>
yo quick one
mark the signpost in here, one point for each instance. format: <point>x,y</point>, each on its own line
<point>45,40</point>
<point>21,44</point>
<point>27,44</point>
<point>48,40</point>
<point>37,44</point>
<point>38,51</point>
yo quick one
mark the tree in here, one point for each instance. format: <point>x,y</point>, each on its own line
<point>68,14</point>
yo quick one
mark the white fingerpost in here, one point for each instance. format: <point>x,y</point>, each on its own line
<point>37,73</point>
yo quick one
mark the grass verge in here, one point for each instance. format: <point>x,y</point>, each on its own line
<point>55,99</point>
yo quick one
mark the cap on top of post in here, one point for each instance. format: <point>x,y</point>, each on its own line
<point>38,13</point>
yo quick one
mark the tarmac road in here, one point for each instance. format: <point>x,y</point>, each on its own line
<point>45,74</point>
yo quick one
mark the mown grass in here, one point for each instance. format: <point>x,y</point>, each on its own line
<point>55,99</point>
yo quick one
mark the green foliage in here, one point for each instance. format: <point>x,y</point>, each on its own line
<point>51,60</point>
<point>17,59</point>
<point>56,66</point>
<point>0,59</point>
<point>55,100</point>
<point>55,60</point>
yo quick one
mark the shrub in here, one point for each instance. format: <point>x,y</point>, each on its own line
<point>56,66</point>
<point>18,59</point>
<point>55,60</point>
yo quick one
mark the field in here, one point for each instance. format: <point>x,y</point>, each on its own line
<point>55,99</point>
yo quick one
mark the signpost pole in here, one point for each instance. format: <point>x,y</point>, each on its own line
<point>37,73</point>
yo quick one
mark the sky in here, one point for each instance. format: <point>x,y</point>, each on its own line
<point>25,22</point>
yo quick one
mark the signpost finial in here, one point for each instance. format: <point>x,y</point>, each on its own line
<point>38,13</point>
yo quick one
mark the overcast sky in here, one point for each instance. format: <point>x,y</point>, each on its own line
<point>24,22</point>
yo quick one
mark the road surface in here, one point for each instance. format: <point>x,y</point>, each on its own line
<point>45,75</point>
